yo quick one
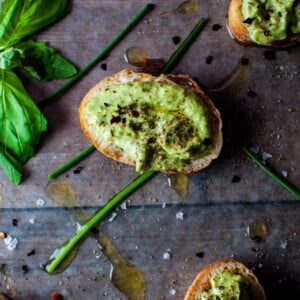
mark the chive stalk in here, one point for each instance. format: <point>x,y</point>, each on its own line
<point>290,188</point>
<point>179,52</point>
<point>119,197</point>
<point>81,233</point>
<point>134,21</point>
<point>66,166</point>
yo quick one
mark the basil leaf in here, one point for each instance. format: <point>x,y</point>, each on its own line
<point>10,58</point>
<point>21,18</point>
<point>21,122</point>
<point>10,166</point>
<point>43,62</point>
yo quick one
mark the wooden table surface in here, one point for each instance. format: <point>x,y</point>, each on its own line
<point>260,108</point>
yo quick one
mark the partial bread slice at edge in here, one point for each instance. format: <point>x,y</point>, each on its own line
<point>201,282</point>
<point>128,75</point>
<point>238,29</point>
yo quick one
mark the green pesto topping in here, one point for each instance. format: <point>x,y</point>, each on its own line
<point>227,286</point>
<point>159,126</point>
<point>271,20</point>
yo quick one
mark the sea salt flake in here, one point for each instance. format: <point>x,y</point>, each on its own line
<point>283,244</point>
<point>164,205</point>
<point>266,156</point>
<point>124,205</point>
<point>173,292</point>
<point>254,149</point>
<point>179,215</point>
<point>40,202</point>
<point>167,255</point>
<point>284,173</point>
<point>113,216</point>
<point>11,242</point>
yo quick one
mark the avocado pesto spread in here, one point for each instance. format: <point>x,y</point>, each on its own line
<point>271,20</point>
<point>227,286</point>
<point>159,126</point>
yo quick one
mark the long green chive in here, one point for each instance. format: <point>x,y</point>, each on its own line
<point>291,189</point>
<point>166,69</point>
<point>100,56</point>
<point>119,197</point>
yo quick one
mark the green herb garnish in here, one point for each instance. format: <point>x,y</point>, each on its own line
<point>291,189</point>
<point>62,252</point>
<point>21,122</point>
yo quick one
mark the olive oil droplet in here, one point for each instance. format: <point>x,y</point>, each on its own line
<point>179,182</point>
<point>188,7</point>
<point>257,231</point>
<point>125,276</point>
<point>136,57</point>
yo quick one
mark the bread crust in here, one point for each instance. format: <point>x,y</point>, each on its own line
<point>238,29</point>
<point>201,282</point>
<point>128,75</point>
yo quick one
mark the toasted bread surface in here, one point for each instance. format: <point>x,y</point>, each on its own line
<point>128,75</point>
<point>239,29</point>
<point>201,282</point>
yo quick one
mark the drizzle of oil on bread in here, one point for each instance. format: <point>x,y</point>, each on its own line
<point>128,75</point>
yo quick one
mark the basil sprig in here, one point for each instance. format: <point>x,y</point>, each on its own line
<point>21,121</point>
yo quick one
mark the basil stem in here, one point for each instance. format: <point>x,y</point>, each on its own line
<point>100,56</point>
<point>291,189</point>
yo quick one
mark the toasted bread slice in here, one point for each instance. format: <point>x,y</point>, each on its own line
<point>201,282</point>
<point>109,149</point>
<point>238,28</point>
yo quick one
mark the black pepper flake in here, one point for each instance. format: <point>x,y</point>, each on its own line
<point>14,222</point>
<point>244,61</point>
<point>200,254</point>
<point>78,170</point>
<point>269,55</point>
<point>135,113</point>
<point>176,40</point>
<point>25,269</point>
<point>235,179</point>
<point>266,32</point>
<point>209,59</point>
<point>115,120</point>
<point>216,27</point>
<point>248,21</point>
<point>251,93</point>
<point>32,252</point>
<point>103,67</point>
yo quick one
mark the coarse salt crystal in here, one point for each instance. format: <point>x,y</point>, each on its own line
<point>31,220</point>
<point>167,255</point>
<point>173,292</point>
<point>11,242</point>
<point>40,202</point>
<point>113,216</point>
<point>284,173</point>
<point>124,205</point>
<point>179,215</point>
<point>164,205</point>
<point>266,156</point>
